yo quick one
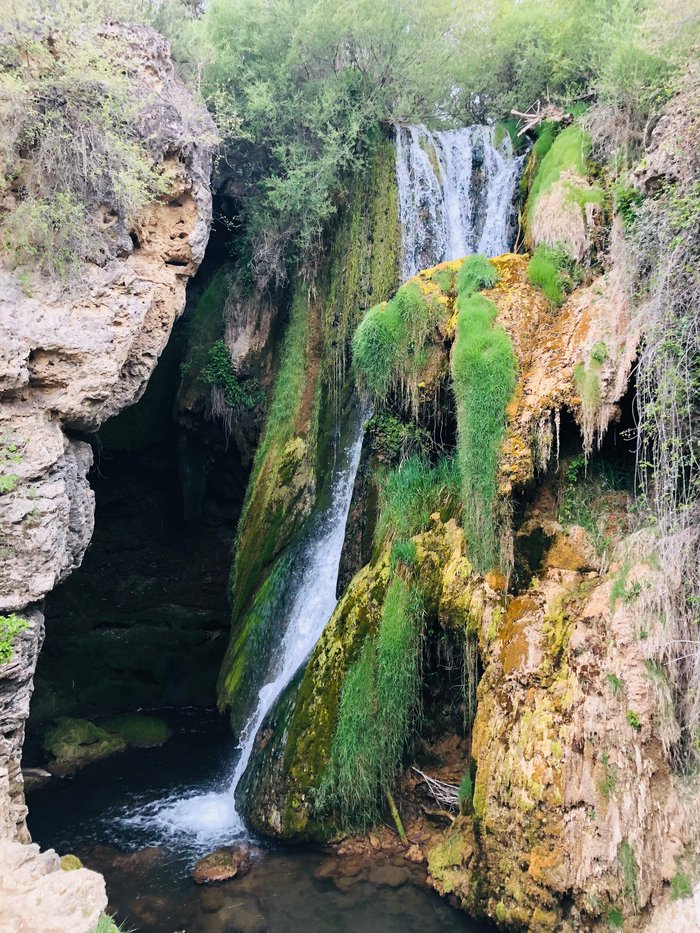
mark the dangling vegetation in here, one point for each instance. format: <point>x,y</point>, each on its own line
<point>388,348</point>
<point>483,379</point>
<point>379,707</point>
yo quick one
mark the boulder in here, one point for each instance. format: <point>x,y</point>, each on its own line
<point>225,863</point>
<point>74,743</point>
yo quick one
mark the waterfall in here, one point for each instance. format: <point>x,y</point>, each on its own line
<point>456,193</point>
<point>211,818</point>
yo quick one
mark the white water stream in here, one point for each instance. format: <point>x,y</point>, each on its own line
<point>456,192</point>
<point>211,818</point>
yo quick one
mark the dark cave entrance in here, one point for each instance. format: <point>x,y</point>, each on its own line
<point>144,621</point>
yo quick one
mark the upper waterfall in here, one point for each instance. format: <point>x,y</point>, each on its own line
<point>456,191</point>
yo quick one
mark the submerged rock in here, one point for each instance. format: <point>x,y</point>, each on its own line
<point>74,743</point>
<point>226,863</point>
<point>139,731</point>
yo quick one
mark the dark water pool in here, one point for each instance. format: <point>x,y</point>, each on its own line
<point>148,869</point>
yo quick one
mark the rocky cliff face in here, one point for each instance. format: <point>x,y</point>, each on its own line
<point>74,355</point>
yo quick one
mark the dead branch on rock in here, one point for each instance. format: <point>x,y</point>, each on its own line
<point>538,114</point>
<point>447,795</point>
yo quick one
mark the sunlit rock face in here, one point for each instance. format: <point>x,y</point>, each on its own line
<point>74,355</point>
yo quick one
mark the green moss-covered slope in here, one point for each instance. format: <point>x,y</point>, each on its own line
<point>360,268</point>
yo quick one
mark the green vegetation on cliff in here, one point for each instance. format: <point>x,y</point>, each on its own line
<point>412,492</point>
<point>379,705</point>
<point>483,378</point>
<point>291,461</point>
<point>388,346</point>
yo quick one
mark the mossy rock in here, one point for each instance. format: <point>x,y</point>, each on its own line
<point>70,863</point>
<point>139,731</point>
<point>74,743</point>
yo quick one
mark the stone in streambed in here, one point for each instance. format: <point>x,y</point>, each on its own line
<point>388,876</point>
<point>74,743</point>
<point>226,863</point>
<point>139,731</point>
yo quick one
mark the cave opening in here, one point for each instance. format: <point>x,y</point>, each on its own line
<point>143,622</point>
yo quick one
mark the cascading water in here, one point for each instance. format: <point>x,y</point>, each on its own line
<point>456,192</point>
<point>212,817</point>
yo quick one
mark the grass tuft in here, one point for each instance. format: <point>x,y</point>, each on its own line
<point>552,270</point>
<point>483,377</point>
<point>412,492</point>
<point>379,705</point>
<point>475,273</point>
<point>388,346</point>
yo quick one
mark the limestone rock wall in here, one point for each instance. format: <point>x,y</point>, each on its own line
<point>73,355</point>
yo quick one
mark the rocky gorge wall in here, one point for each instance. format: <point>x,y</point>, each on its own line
<point>73,356</point>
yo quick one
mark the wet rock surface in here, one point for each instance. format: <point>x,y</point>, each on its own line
<point>225,863</point>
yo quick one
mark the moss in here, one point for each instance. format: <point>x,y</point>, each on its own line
<point>378,708</point>
<point>291,462</point>
<point>568,152</point>
<point>73,743</point>
<point>139,731</point>
<point>70,863</point>
<point>483,377</point>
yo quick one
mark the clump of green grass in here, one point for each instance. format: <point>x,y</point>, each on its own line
<point>475,273</point>
<point>634,720</point>
<point>411,493</point>
<point>615,918</point>
<point>615,683</point>
<point>628,868</point>
<point>465,791</point>
<point>388,346</point>
<point>608,783</point>
<point>10,626</point>
<point>552,270</point>
<point>379,705</point>
<point>681,886</point>
<point>483,378</point>
<point>403,552</point>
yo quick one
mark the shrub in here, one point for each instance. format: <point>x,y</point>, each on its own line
<point>10,626</point>
<point>393,439</point>
<point>411,493</point>
<point>634,720</point>
<point>219,372</point>
<point>483,378</point>
<point>475,273</point>
<point>74,131</point>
